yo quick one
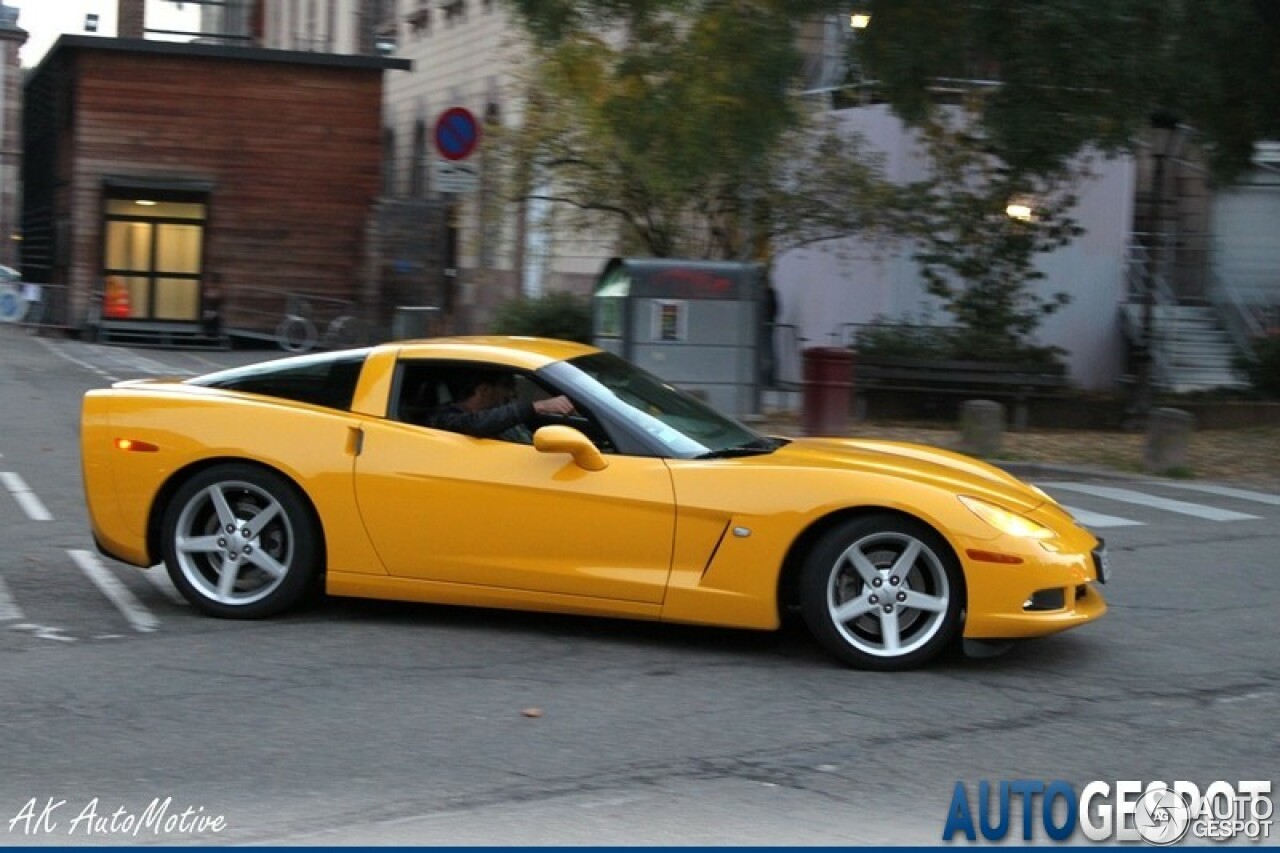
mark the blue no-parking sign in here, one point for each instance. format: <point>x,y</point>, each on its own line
<point>457,134</point>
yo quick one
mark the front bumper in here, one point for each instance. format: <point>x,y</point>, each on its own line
<point>1053,587</point>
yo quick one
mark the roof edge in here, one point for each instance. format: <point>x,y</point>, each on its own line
<point>69,42</point>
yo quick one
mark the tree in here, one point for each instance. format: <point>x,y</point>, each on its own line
<point>672,117</point>
<point>976,256</point>
<point>1072,74</point>
<point>678,122</point>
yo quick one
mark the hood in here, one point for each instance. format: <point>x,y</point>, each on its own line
<point>943,468</point>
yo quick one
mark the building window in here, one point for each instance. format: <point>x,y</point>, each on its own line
<point>455,11</point>
<point>153,257</point>
<point>417,187</point>
<point>491,210</point>
<point>388,162</point>
<point>419,22</point>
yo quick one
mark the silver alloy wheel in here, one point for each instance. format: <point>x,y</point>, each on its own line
<point>887,594</point>
<point>234,543</point>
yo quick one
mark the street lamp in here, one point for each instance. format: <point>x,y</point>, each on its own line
<point>1166,139</point>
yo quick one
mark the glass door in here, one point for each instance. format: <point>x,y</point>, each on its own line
<point>152,259</point>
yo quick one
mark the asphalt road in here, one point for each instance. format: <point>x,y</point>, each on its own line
<point>362,722</point>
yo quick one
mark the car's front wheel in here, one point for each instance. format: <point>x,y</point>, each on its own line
<point>240,542</point>
<point>882,592</point>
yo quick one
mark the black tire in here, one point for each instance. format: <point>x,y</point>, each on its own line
<point>856,592</point>
<point>249,519</point>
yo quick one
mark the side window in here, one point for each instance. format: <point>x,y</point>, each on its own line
<point>444,395</point>
<point>421,389</point>
<point>319,380</point>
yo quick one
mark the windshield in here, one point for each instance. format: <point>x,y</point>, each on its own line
<point>685,426</point>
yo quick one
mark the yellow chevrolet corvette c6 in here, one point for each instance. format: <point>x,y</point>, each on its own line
<point>357,470</point>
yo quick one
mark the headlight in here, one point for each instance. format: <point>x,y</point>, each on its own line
<point>1005,521</point>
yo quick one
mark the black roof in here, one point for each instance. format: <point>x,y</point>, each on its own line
<point>223,51</point>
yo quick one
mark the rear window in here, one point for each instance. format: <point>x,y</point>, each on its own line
<point>326,379</point>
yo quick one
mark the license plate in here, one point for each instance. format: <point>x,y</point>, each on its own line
<point>1101,562</point>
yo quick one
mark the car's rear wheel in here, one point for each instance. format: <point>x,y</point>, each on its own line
<point>240,542</point>
<point>882,592</point>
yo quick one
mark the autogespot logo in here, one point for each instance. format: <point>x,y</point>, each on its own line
<point>1154,812</point>
<point>1162,815</point>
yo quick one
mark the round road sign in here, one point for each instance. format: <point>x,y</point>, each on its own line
<point>457,134</point>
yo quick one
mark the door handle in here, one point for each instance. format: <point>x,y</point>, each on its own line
<point>355,440</point>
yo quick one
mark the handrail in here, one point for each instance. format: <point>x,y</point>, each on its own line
<point>1246,320</point>
<point>1146,282</point>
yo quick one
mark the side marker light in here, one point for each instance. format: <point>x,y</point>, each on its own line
<point>135,445</point>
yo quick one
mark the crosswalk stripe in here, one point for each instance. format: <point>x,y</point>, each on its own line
<point>1142,499</point>
<point>1097,519</point>
<point>134,611</point>
<point>9,609</point>
<point>1229,492</point>
<point>26,498</point>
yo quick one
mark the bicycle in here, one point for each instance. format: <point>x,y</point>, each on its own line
<point>298,333</point>
<point>343,332</point>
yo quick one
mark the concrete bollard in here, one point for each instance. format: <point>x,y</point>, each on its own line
<point>981,427</point>
<point>1168,431</point>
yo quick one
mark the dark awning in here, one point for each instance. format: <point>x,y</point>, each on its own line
<point>160,184</point>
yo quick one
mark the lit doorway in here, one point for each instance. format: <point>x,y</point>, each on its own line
<point>153,258</point>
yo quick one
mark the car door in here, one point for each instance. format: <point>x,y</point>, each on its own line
<point>441,506</point>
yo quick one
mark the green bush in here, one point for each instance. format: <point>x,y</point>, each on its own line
<point>562,315</point>
<point>1263,369</point>
<point>949,343</point>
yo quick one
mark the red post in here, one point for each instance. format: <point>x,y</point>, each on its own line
<point>828,390</point>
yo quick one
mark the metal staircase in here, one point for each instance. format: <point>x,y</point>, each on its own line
<point>1192,351</point>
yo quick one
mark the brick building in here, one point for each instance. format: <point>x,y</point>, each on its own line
<point>157,171</point>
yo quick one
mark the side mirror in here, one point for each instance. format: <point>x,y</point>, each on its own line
<point>564,439</point>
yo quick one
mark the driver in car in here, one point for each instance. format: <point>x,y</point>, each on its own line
<point>485,407</point>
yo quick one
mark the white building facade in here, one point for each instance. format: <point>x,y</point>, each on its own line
<point>824,289</point>
<point>12,37</point>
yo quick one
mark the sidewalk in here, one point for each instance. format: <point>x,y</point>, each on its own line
<point>1245,456</point>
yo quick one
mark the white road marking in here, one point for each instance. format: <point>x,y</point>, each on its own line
<point>134,611</point>
<point>9,609</point>
<point>1142,499</point>
<point>159,578</point>
<point>145,364</point>
<point>61,353</point>
<point>1229,492</point>
<point>26,498</point>
<point>215,365</point>
<point>45,632</point>
<point>1097,519</point>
